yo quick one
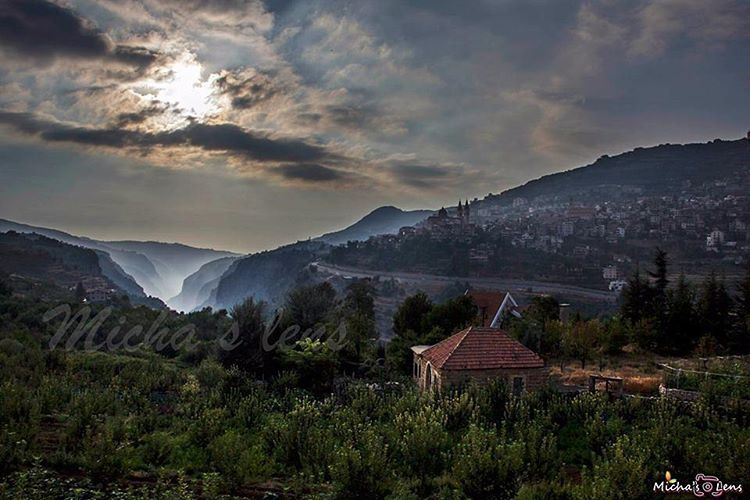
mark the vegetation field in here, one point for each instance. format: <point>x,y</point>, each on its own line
<point>312,419</point>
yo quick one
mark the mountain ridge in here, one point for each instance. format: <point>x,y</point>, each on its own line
<point>383,220</point>
<point>153,265</point>
<point>652,167</point>
<point>64,265</point>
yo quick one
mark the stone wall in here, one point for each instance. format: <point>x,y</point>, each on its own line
<point>426,376</point>
<point>534,378</point>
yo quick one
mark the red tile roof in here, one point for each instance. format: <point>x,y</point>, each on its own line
<point>481,348</point>
<point>488,303</point>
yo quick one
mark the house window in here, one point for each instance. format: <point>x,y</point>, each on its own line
<point>428,382</point>
<point>518,385</point>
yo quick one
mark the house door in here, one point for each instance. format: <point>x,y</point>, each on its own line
<point>518,385</point>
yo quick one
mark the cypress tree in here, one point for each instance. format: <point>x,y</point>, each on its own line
<point>741,329</point>
<point>681,330</point>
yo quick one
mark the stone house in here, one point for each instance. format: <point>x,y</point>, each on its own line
<point>478,354</point>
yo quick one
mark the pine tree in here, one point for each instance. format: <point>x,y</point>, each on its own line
<point>249,354</point>
<point>5,289</point>
<point>660,275</point>
<point>741,329</point>
<point>681,330</point>
<point>713,309</point>
<point>636,299</point>
<point>659,292</point>
<point>743,299</point>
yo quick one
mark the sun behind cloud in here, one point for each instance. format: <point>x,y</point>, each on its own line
<point>181,86</point>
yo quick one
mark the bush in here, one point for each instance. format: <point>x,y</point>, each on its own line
<point>238,459</point>
<point>360,468</point>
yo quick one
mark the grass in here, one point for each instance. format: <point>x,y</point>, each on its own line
<point>639,371</point>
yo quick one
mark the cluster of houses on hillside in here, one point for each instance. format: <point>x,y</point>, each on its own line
<point>96,290</point>
<point>603,230</point>
<point>713,217</point>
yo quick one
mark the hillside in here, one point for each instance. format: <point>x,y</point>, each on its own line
<point>173,261</point>
<point>383,220</point>
<point>197,288</point>
<point>658,168</point>
<point>49,260</point>
<point>269,275</point>
<point>266,275</point>
<point>159,268</point>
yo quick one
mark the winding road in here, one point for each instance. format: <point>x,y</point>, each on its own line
<point>515,285</point>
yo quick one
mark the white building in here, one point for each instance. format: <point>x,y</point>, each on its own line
<point>567,228</point>
<point>617,285</point>
<point>610,272</point>
<point>98,295</point>
<point>520,202</point>
<point>715,239</point>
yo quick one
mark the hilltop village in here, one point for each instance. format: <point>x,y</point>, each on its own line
<point>596,237</point>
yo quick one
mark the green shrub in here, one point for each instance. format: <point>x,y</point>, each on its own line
<point>238,459</point>
<point>360,468</point>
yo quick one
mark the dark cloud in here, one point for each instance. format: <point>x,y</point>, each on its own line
<point>138,117</point>
<point>247,91</point>
<point>310,173</point>
<point>346,116</point>
<point>351,116</point>
<point>420,176</point>
<point>234,139</point>
<point>44,30</point>
<point>309,118</point>
<point>135,56</point>
<point>279,7</point>
<point>227,138</point>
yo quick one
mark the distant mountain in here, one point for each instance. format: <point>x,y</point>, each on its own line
<point>655,168</point>
<point>118,276</point>
<point>159,268</point>
<point>197,288</point>
<point>270,275</point>
<point>267,276</point>
<point>173,261</point>
<point>46,259</point>
<point>383,220</point>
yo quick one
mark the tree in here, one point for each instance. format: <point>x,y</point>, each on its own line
<point>359,314</point>
<point>636,299</point>
<point>714,310</point>
<point>659,289</point>
<point>5,289</point>
<point>660,275</point>
<point>452,315</point>
<point>417,321</point>
<point>411,314</point>
<point>360,298</point>
<point>409,328</point>
<point>249,354</point>
<point>309,306</point>
<point>314,362</point>
<point>681,332</point>
<point>543,309</point>
<point>741,330</point>
<point>580,338</point>
<point>743,298</point>
<point>614,336</point>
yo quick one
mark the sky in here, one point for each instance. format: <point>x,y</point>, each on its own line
<point>244,125</point>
